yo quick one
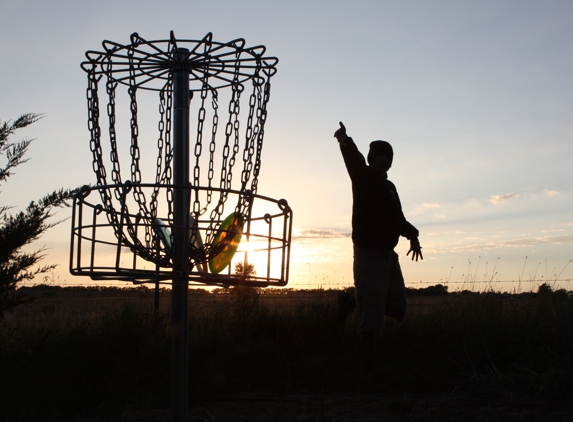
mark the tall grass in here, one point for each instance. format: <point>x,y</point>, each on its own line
<point>58,363</point>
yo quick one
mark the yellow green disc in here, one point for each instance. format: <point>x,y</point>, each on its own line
<point>228,238</point>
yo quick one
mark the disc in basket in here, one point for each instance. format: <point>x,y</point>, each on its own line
<point>227,240</point>
<point>163,233</point>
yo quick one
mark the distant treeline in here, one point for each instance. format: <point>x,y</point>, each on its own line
<point>441,290</point>
<point>436,290</point>
<point>103,289</point>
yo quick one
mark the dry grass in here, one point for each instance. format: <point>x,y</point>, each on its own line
<point>106,353</point>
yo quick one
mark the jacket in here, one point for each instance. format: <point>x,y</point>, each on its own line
<point>377,217</point>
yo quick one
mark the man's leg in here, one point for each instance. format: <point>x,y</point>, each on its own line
<point>367,342</point>
<point>396,298</point>
<point>371,282</point>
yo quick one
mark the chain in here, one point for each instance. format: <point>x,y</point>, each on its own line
<point>209,234</point>
<point>168,171</point>
<point>236,127</point>
<point>160,157</point>
<point>138,194</point>
<point>94,128</point>
<point>262,118</point>
<point>115,173</point>
<point>198,149</point>
<point>248,152</point>
<point>95,147</point>
<point>249,141</point>
<point>212,145</point>
<point>232,128</point>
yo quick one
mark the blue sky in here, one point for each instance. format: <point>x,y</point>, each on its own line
<point>475,97</point>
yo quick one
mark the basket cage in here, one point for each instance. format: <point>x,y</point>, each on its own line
<point>126,228</point>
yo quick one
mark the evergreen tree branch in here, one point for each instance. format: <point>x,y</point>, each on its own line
<point>14,152</point>
<point>24,227</point>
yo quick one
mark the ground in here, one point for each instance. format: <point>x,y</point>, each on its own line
<point>302,405</point>
<point>254,407</point>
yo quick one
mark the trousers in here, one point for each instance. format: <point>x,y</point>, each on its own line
<point>380,288</point>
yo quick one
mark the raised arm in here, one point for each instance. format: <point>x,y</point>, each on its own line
<point>341,135</point>
<point>354,160</point>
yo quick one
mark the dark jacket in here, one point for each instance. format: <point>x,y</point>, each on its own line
<point>377,217</point>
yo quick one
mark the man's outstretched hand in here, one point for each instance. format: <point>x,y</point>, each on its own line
<point>416,249</point>
<point>341,135</point>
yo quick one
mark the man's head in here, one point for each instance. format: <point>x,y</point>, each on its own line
<point>380,155</point>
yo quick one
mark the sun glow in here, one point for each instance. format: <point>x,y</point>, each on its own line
<point>254,253</point>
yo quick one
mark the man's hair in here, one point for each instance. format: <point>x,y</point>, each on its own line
<point>380,148</point>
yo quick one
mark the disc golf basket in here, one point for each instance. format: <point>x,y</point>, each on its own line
<point>200,203</point>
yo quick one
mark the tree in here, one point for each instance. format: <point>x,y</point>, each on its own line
<point>240,269</point>
<point>24,227</point>
<point>544,289</point>
<point>245,296</point>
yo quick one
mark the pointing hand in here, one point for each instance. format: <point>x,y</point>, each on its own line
<point>340,134</point>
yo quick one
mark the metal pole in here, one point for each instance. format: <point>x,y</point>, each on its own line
<point>179,301</point>
<point>156,297</point>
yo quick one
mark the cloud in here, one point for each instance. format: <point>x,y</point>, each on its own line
<point>536,241</point>
<point>424,207</point>
<point>319,234</point>
<point>500,199</point>
<point>512,243</point>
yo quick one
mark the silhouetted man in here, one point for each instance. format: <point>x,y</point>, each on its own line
<point>377,224</point>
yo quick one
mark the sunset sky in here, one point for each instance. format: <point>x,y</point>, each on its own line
<point>475,97</point>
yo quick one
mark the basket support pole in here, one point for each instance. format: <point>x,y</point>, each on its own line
<point>180,298</point>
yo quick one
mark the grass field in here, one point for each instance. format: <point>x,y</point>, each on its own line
<point>104,352</point>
